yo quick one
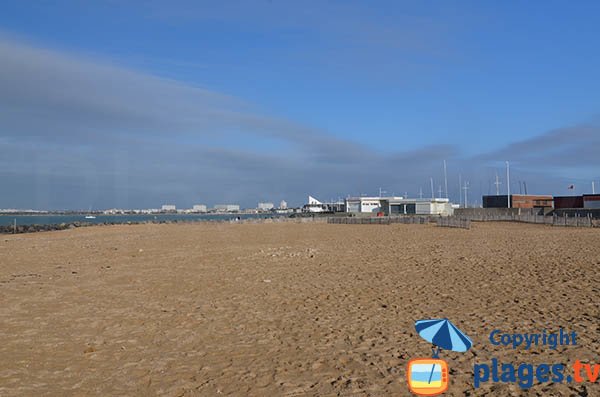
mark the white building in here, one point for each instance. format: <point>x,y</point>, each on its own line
<point>199,208</point>
<point>314,205</point>
<point>168,207</point>
<point>421,206</point>
<point>265,206</point>
<point>283,205</point>
<point>366,204</point>
<point>227,208</point>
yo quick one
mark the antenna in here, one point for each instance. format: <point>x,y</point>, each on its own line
<point>593,188</point>
<point>525,187</point>
<point>459,189</point>
<point>508,184</point>
<point>440,191</point>
<point>466,188</point>
<point>445,179</point>
<point>420,192</point>
<point>497,183</point>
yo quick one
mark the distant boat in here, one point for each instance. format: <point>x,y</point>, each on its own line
<point>90,216</point>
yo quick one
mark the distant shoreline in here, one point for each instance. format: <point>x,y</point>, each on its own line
<point>59,222</point>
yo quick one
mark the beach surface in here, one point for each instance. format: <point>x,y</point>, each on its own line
<point>284,309</point>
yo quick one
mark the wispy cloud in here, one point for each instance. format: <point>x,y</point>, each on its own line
<point>78,132</point>
<point>570,152</point>
<point>337,38</point>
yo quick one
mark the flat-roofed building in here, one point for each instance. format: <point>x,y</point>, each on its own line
<point>591,201</point>
<point>227,208</point>
<point>365,204</point>
<point>518,201</point>
<point>168,207</point>
<point>265,206</point>
<point>420,206</point>
<point>531,201</point>
<point>561,202</point>
<point>199,208</point>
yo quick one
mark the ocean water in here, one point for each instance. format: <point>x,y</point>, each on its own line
<point>6,220</point>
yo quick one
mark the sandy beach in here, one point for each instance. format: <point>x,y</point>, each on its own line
<point>285,309</point>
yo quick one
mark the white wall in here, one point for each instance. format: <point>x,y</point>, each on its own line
<point>370,206</point>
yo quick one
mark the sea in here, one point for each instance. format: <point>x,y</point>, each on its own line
<point>50,219</point>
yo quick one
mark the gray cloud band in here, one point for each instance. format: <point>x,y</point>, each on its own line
<point>76,133</point>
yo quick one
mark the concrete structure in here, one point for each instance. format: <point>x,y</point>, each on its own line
<point>199,208</point>
<point>518,201</point>
<point>265,206</point>
<point>168,207</point>
<point>283,205</point>
<point>480,214</point>
<point>227,208</point>
<point>424,206</point>
<point>577,212</point>
<point>366,204</point>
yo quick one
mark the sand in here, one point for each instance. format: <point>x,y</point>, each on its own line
<point>285,309</point>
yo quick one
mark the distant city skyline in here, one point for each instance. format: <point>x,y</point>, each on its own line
<point>110,105</point>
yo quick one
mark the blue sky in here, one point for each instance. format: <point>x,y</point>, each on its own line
<point>132,105</point>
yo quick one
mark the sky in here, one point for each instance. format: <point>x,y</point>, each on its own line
<point>110,104</point>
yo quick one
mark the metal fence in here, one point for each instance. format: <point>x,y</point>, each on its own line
<point>574,221</point>
<point>281,219</point>
<point>448,221</point>
<point>451,221</point>
<point>380,220</point>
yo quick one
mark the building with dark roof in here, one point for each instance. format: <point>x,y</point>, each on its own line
<point>518,201</point>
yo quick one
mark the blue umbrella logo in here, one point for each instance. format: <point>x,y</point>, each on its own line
<point>443,335</point>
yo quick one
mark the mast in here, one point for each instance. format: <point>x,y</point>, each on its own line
<point>445,179</point>
<point>508,184</point>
